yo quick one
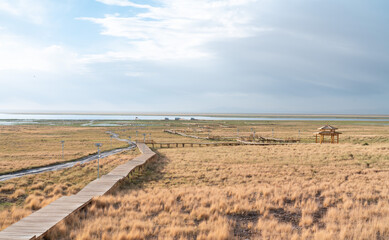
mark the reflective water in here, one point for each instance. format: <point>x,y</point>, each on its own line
<point>29,118</point>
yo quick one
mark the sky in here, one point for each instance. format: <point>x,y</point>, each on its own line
<point>195,56</point>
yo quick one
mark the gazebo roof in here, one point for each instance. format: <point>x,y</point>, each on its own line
<point>328,133</point>
<point>327,127</point>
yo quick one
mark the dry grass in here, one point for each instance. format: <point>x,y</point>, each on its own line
<point>37,145</point>
<point>26,146</point>
<point>245,192</point>
<point>353,132</point>
<point>303,191</point>
<point>21,196</point>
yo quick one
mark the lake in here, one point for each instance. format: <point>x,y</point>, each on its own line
<point>30,118</point>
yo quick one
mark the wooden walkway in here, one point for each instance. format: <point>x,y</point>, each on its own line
<point>184,135</point>
<point>199,144</point>
<point>207,144</point>
<point>259,140</point>
<point>36,225</point>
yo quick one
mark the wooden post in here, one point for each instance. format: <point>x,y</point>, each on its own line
<point>191,144</point>
<point>316,138</point>
<point>168,145</point>
<point>176,144</point>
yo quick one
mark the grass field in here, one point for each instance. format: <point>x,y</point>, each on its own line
<point>30,146</point>
<point>27,146</point>
<point>21,196</point>
<point>301,191</point>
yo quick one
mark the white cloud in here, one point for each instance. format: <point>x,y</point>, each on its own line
<point>33,11</point>
<point>18,54</point>
<point>175,30</point>
<point>134,74</point>
<point>123,3</point>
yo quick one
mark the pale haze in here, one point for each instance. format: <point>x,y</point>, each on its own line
<point>231,56</point>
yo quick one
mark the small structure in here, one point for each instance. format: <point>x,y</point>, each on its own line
<point>327,130</point>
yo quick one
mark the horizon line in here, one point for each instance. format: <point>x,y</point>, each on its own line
<point>172,113</point>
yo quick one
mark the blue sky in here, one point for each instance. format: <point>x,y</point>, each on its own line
<point>213,56</point>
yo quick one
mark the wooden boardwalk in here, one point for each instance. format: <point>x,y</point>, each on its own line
<point>36,225</point>
<point>199,144</point>
<point>183,134</point>
<point>259,140</point>
<point>207,144</point>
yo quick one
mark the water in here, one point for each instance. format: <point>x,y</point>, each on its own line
<point>17,122</point>
<point>29,118</point>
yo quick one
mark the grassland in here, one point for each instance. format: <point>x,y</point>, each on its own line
<point>27,146</point>
<point>300,191</point>
<point>31,146</point>
<point>19,197</point>
<point>352,131</point>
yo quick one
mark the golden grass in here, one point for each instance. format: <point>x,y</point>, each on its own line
<point>37,145</point>
<point>21,196</point>
<point>353,132</point>
<point>26,146</point>
<point>304,191</point>
<point>277,192</point>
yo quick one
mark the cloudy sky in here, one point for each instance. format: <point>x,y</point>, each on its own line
<point>211,56</point>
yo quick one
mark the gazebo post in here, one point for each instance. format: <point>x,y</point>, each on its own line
<point>316,138</point>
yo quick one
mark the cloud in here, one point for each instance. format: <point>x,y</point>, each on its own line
<point>17,54</point>
<point>187,55</point>
<point>175,30</point>
<point>124,3</point>
<point>33,11</point>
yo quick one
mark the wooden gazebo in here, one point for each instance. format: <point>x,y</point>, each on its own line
<point>327,130</point>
